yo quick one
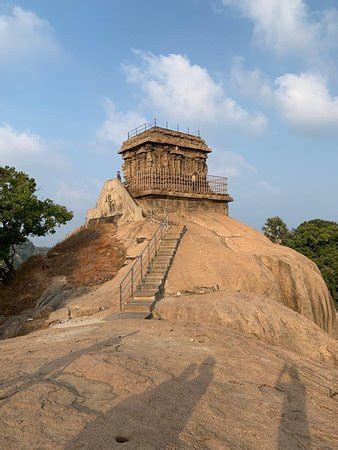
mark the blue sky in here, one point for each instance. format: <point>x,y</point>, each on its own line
<point>257,77</point>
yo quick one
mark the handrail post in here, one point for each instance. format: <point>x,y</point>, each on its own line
<point>132,281</point>
<point>141,266</point>
<point>121,307</point>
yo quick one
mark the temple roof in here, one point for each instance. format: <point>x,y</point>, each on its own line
<point>164,136</point>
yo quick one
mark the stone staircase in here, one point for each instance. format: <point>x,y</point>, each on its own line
<point>151,289</point>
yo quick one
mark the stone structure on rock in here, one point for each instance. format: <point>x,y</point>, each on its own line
<point>167,170</point>
<point>164,171</point>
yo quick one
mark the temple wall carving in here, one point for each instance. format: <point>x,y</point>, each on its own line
<point>157,158</point>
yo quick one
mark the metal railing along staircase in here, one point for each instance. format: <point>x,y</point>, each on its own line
<point>141,264</point>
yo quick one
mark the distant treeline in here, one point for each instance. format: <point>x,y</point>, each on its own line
<point>26,250</point>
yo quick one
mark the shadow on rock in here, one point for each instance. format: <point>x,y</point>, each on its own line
<point>49,372</point>
<point>293,430</point>
<point>153,419</point>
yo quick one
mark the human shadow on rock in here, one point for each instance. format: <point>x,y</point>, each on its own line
<point>293,430</point>
<point>153,419</point>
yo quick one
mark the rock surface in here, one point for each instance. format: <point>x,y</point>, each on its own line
<point>220,251</point>
<point>116,203</point>
<point>255,316</point>
<point>157,384</point>
<point>234,367</point>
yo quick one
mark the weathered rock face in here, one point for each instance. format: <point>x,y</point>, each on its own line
<point>219,251</point>
<point>161,385</point>
<point>115,204</point>
<point>218,373</point>
<point>255,316</point>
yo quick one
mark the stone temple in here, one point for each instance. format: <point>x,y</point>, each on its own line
<point>164,171</point>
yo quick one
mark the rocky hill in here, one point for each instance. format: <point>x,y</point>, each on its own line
<point>84,260</point>
<point>243,355</point>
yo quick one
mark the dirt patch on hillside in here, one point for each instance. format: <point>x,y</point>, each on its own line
<point>88,258</point>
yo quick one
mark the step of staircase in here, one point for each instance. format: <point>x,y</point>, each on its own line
<point>148,293</point>
<point>169,244</point>
<point>154,278</point>
<point>169,253</point>
<point>171,237</point>
<point>160,267</point>
<point>161,262</point>
<point>140,306</point>
<point>162,258</point>
<point>148,286</point>
<point>146,314</point>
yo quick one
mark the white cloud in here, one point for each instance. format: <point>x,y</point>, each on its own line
<point>305,102</point>
<point>117,124</point>
<point>287,26</point>
<point>74,194</point>
<point>266,186</point>
<point>24,35</point>
<point>229,164</point>
<point>182,91</point>
<point>15,145</point>
<point>250,83</point>
<point>26,150</point>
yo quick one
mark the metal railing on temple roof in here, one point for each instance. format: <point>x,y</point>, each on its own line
<point>165,180</point>
<point>148,126</point>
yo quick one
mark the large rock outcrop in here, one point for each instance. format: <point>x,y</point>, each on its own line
<point>256,316</point>
<point>234,368</point>
<point>115,204</point>
<point>215,253</point>
<point>218,251</point>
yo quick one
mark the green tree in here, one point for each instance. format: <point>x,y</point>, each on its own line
<point>318,240</point>
<point>22,215</point>
<point>276,230</point>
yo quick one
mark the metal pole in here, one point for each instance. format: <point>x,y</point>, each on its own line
<point>155,121</point>
<point>121,305</point>
<point>166,124</point>
<point>132,281</point>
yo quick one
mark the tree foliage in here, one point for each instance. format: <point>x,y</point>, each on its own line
<point>22,215</point>
<point>318,240</point>
<point>276,230</point>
